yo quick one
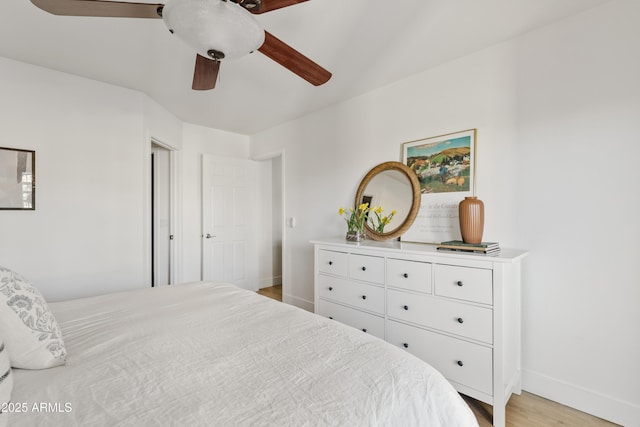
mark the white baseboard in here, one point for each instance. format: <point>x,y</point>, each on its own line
<point>270,281</point>
<point>298,302</point>
<point>600,405</point>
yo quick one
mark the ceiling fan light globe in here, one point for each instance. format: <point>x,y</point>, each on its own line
<point>218,25</point>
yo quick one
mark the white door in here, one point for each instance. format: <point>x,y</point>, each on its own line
<point>229,221</point>
<point>161,216</point>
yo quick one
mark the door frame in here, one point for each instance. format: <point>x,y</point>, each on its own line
<point>285,276</point>
<point>175,201</point>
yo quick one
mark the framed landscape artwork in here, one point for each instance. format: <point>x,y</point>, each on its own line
<point>445,167</point>
<point>17,179</point>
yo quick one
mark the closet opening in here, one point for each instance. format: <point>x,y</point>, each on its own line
<point>161,236</point>
<point>272,226</point>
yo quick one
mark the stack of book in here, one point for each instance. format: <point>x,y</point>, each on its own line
<point>478,248</point>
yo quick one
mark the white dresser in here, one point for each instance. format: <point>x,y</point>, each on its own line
<point>459,312</point>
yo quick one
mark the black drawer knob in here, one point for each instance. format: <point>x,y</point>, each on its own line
<point>364,297</point>
<point>330,317</point>
<point>405,345</point>
<point>460,363</point>
<point>364,268</point>
<point>330,262</point>
<point>459,283</point>
<point>460,320</point>
<point>330,288</point>
<point>406,307</point>
<point>405,275</point>
<point>364,329</point>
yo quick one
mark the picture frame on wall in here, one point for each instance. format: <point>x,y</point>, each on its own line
<point>17,179</point>
<point>446,169</point>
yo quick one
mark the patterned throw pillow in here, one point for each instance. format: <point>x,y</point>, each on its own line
<point>31,333</point>
<point>6,382</point>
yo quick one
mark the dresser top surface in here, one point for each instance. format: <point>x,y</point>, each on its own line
<point>505,255</point>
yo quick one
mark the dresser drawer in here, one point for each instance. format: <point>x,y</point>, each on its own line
<point>450,316</point>
<point>366,322</point>
<point>412,275</point>
<point>469,284</point>
<point>332,262</point>
<point>459,361</point>
<point>361,295</point>
<point>368,268</point>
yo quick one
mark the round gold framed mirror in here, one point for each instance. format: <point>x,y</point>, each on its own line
<point>395,187</point>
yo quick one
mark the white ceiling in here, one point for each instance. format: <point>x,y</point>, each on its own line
<point>364,43</point>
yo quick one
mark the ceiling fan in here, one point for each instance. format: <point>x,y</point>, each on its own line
<point>215,29</point>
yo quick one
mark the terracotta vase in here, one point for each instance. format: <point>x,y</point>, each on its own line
<point>471,214</point>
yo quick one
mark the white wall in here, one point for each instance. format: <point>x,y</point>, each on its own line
<point>556,112</point>
<point>90,231</point>
<point>197,140</point>
<point>87,233</point>
<point>161,125</point>
<point>330,151</point>
<point>578,205</point>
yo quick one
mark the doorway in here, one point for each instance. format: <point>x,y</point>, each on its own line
<point>161,236</point>
<point>242,244</point>
<point>271,185</point>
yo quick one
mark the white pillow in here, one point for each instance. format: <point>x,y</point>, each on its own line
<point>6,382</point>
<point>31,333</point>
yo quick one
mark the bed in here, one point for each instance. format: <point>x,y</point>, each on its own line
<point>217,355</point>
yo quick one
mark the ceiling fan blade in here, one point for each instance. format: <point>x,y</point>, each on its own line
<point>262,6</point>
<point>205,74</point>
<point>293,60</point>
<point>112,9</point>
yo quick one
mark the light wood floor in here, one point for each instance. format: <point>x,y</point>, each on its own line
<point>529,410</point>
<point>526,410</point>
<point>274,292</point>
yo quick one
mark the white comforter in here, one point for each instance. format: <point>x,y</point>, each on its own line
<point>216,355</point>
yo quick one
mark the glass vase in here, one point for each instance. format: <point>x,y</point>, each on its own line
<point>356,236</point>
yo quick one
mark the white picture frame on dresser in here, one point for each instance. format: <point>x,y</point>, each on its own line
<point>459,312</point>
